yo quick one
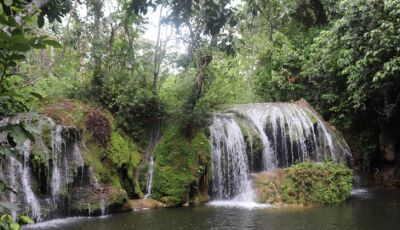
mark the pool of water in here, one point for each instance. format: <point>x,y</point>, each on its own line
<point>367,209</point>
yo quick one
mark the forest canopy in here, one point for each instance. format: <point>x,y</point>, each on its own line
<point>342,56</point>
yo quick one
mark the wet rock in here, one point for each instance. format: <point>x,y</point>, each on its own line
<point>387,147</point>
<point>140,204</point>
<point>98,200</point>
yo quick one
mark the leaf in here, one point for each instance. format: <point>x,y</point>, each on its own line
<point>40,21</point>
<point>19,134</point>
<point>21,47</point>
<point>19,38</point>
<point>12,22</point>
<point>4,36</point>
<point>26,220</point>
<point>15,226</point>
<point>17,57</point>
<point>52,43</point>
<point>37,95</point>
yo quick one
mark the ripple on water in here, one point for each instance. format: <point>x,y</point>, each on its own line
<point>238,204</point>
<point>59,223</point>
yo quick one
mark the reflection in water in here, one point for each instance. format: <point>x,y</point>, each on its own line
<point>378,210</point>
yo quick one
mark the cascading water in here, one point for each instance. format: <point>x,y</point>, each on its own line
<point>154,139</point>
<point>231,179</point>
<point>57,179</point>
<point>42,190</point>
<point>30,197</point>
<point>150,177</point>
<point>286,133</point>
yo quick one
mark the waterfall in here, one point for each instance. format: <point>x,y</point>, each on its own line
<point>287,133</point>
<point>229,160</point>
<point>42,173</point>
<point>292,133</point>
<point>57,180</point>
<point>155,137</point>
<point>150,177</point>
<point>30,197</point>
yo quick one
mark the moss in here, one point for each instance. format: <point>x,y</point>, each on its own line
<point>312,117</point>
<point>71,113</point>
<point>121,151</point>
<point>91,201</point>
<point>46,135</point>
<point>179,163</point>
<point>317,183</point>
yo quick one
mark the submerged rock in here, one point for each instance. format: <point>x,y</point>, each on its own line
<point>95,201</point>
<point>140,204</point>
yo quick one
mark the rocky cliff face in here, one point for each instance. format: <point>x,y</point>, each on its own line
<point>70,161</point>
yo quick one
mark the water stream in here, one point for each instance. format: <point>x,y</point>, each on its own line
<point>288,133</point>
<point>155,137</point>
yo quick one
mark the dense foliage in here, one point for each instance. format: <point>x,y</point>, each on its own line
<point>317,183</point>
<point>342,56</point>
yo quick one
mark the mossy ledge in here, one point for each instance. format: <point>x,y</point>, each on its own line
<point>110,154</point>
<point>306,183</point>
<point>182,171</point>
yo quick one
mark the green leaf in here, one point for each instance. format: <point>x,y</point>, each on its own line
<point>40,21</point>
<point>12,22</point>
<point>15,226</point>
<point>21,47</point>
<point>19,38</point>
<point>26,220</point>
<point>4,36</point>
<point>17,57</point>
<point>37,95</point>
<point>52,43</point>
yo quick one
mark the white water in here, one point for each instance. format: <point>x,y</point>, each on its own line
<point>30,197</point>
<point>289,133</point>
<point>154,139</point>
<point>103,207</point>
<point>56,156</point>
<point>229,162</point>
<point>150,177</point>
<point>55,223</point>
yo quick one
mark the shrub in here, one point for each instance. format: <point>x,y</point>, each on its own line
<point>317,183</point>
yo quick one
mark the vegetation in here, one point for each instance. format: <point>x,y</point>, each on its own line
<point>305,183</point>
<point>89,66</point>
<point>317,183</point>
<point>181,165</point>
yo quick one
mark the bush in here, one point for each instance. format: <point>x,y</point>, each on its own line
<point>317,183</point>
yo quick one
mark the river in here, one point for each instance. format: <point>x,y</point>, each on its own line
<point>366,209</point>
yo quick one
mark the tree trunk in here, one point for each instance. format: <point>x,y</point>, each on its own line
<point>319,11</point>
<point>157,55</point>
<point>203,62</point>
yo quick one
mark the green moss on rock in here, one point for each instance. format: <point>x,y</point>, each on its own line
<point>179,163</point>
<point>317,183</point>
<point>121,151</point>
<point>306,183</point>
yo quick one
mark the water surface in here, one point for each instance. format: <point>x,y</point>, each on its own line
<point>365,210</point>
